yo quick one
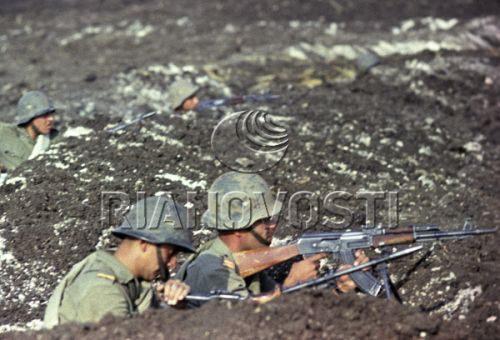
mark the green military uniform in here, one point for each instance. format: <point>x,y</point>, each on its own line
<point>213,267</point>
<point>16,145</point>
<point>96,286</point>
<point>101,284</point>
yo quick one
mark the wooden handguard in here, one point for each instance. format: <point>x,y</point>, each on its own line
<point>251,262</point>
<point>387,240</point>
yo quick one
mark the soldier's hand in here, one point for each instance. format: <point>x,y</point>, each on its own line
<point>345,284</point>
<point>173,291</point>
<point>304,270</point>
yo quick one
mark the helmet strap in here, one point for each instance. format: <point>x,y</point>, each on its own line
<point>35,129</point>
<point>259,238</point>
<point>164,272</point>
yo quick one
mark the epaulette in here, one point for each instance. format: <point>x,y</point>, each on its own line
<point>106,276</point>
<point>229,264</point>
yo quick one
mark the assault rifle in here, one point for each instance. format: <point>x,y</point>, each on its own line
<point>227,101</point>
<point>202,105</point>
<point>124,125</point>
<point>342,244</point>
<point>324,280</point>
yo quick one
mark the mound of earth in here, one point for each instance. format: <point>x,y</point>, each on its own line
<point>388,96</point>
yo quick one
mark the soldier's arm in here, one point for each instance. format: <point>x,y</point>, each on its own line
<point>9,153</point>
<point>3,150</point>
<point>208,274</point>
<point>103,300</point>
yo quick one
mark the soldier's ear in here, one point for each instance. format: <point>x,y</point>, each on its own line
<point>241,234</point>
<point>143,245</point>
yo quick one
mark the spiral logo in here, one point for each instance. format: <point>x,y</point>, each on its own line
<point>249,141</point>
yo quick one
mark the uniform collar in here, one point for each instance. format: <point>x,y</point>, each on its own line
<point>221,248</point>
<point>22,133</point>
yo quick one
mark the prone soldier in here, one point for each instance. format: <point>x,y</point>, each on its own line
<point>182,95</point>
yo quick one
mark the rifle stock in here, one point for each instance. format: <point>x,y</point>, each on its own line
<point>251,262</point>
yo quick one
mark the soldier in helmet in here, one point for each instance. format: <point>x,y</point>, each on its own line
<point>182,95</point>
<point>153,232</point>
<point>32,132</point>
<point>242,209</point>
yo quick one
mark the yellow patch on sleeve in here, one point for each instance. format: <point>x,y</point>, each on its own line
<point>229,264</point>
<point>106,276</point>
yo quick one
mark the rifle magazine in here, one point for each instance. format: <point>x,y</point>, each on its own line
<point>365,281</point>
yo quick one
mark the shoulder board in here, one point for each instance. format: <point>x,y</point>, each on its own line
<point>229,264</point>
<point>106,276</point>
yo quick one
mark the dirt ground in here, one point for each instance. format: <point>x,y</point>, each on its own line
<point>423,122</point>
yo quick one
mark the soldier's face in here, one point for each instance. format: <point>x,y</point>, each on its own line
<point>44,123</point>
<point>190,104</point>
<point>151,265</point>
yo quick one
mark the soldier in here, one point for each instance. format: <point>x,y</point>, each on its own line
<point>248,224</point>
<point>182,95</point>
<point>32,132</point>
<point>153,232</point>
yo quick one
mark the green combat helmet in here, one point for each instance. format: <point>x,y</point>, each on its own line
<point>238,200</point>
<point>157,220</point>
<point>179,91</point>
<point>31,105</point>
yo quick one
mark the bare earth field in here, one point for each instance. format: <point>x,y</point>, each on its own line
<point>424,121</point>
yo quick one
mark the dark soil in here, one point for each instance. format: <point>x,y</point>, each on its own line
<point>424,122</point>
<point>307,315</point>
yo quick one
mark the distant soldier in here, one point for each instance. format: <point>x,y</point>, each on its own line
<point>182,95</point>
<point>32,132</point>
<point>153,232</point>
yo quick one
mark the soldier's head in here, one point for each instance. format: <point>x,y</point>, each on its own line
<point>35,111</point>
<point>242,205</point>
<point>153,232</point>
<point>182,95</point>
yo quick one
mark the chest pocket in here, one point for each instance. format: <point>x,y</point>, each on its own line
<point>131,291</point>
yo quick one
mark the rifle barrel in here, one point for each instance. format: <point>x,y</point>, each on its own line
<point>208,297</point>
<point>209,103</point>
<point>431,235</point>
<point>131,122</point>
